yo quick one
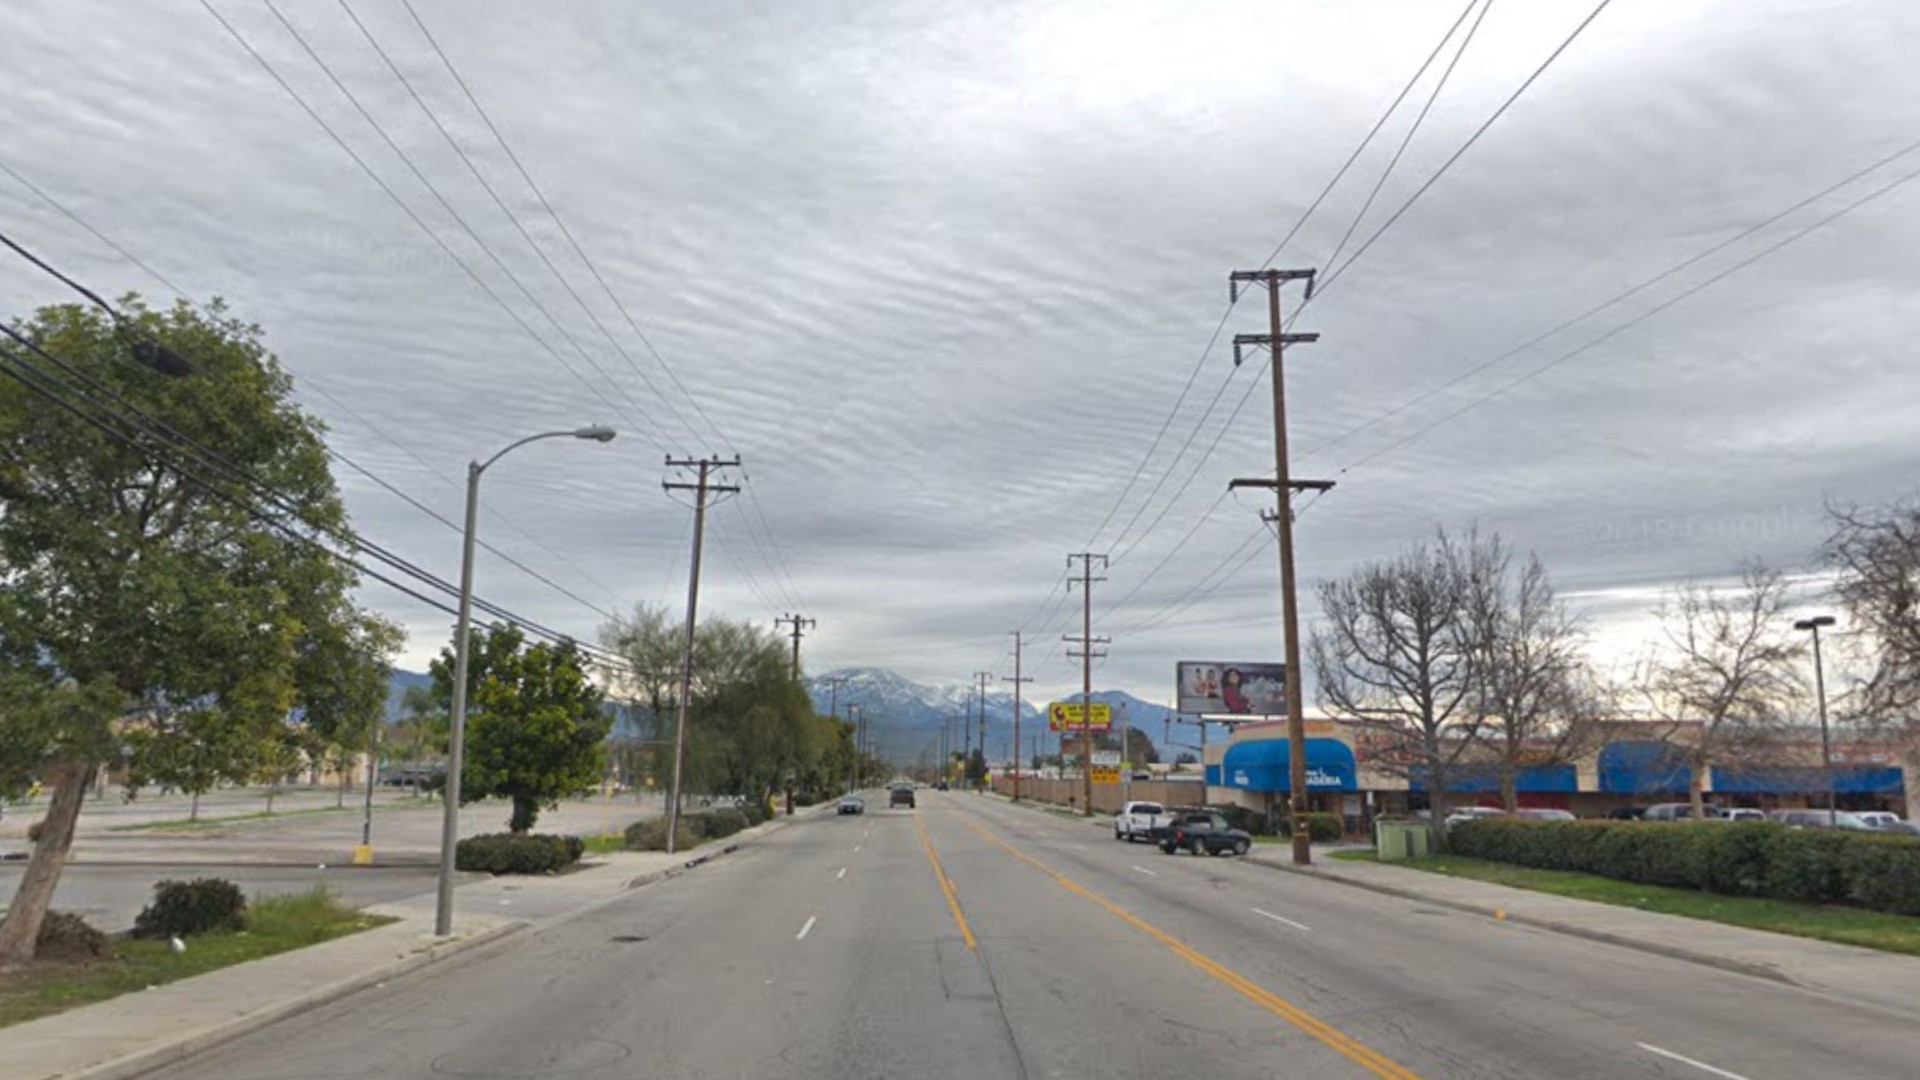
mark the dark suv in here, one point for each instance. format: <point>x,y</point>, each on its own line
<point>902,796</point>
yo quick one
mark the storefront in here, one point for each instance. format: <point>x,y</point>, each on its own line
<point>1535,786</point>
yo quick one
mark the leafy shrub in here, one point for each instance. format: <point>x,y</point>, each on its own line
<point>1883,872</point>
<point>756,812</point>
<point>1251,821</point>
<point>1322,827</point>
<point>722,821</point>
<point>1735,858</point>
<point>1805,864</point>
<point>651,835</point>
<point>66,936</point>
<point>185,908</point>
<point>521,853</point>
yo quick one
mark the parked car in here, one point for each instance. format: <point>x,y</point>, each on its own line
<point>1202,832</point>
<point>1745,813</point>
<point>901,795</point>
<point>1903,828</point>
<point>1136,820</point>
<point>1545,813</point>
<point>941,786</point>
<point>852,804</point>
<point>1819,819</point>
<point>1627,813</point>
<point>1878,819</point>
<point>1679,811</point>
<point>1472,813</point>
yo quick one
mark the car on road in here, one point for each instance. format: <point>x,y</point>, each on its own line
<point>1202,833</point>
<point>1137,820</point>
<point>941,786</point>
<point>1878,820</point>
<point>1903,828</point>
<point>852,804</point>
<point>1544,813</point>
<point>901,796</point>
<point>1745,813</point>
<point>1627,813</point>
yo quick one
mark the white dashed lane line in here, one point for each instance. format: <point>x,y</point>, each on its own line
<point>1281,919</point>
<point>804,930</point>
<point>841,874</point>
<point>1684,1060</point>
<point>1144,870</point>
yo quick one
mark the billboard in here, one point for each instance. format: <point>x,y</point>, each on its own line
<point>1066,716</point>
<point>1214,688</point>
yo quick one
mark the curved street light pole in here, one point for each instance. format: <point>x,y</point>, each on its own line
<point>457,718</point>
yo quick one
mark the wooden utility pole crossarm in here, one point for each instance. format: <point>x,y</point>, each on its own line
<point>1016,679</point>
<point>1086,656</point>
<point>801,624</point>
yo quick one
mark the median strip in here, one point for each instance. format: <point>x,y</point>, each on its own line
<point>1345,1045</point>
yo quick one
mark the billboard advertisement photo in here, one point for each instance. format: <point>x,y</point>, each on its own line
<point>1216,688</point>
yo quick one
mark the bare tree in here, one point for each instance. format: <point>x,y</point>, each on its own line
<point>1396,653</point>
<point>1539,703</point>
<point>1726,676</point>
<point>1876,551</point>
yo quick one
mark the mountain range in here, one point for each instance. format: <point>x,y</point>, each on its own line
<point>905,718</point>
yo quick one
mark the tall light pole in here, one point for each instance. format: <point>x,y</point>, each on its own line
<point>1820,693</point>
<point>457,720</point>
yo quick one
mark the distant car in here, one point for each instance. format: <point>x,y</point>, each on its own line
<point>1627,813</point>
<point>1878,819</point>
<point>852,804</point>
<point>1204,833</point>
<point>1472,813</point>
<point>1902,828</point>
<point>901,796</point>
<point>1545,814</point>
<point>1745,813</point>
<point>1819,819</point>
<point>1136,820</point>
<point>941,786</point>
<point>1679,811</point>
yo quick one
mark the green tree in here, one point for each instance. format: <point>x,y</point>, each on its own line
<point>134,589</point>
<point>536,725</point>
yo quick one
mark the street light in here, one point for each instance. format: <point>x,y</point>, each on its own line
<point>1820,692</point>
<point>457,721</point>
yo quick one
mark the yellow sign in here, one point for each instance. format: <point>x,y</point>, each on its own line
<point>1068,716</point>
<point>1106,774</point>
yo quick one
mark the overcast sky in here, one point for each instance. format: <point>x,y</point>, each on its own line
<point>939,271</point>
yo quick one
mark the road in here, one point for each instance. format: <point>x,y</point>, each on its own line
<point>1041,948</point>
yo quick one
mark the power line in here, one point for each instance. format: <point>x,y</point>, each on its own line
<point>1636,320</point>
<point>415,217</point>
<point>1225,314</point>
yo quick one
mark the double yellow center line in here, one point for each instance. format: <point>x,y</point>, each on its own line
<point>1347,1046</point>
<point>946,885</point>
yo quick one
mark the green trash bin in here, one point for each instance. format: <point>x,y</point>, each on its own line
<point>1390,841</point>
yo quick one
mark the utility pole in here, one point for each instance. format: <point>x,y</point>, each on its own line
<point>1086,655</point>
<point>702,488</point>
<point>1016,680</point>
<point>966,738</point>
<point>800,624</point>
<point>983,676</point>
<point>1276,342</point>
<point>833,694</point>
<point>859,747</point>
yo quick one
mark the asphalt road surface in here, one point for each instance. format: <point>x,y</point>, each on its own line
<point>1040,948</point>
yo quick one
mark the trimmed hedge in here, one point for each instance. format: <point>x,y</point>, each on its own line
<point>185,908</point>
<point>517,853</point>
<point>66,936</point>
<point>1322,827</point>
<point>1734,858</point>
<point>651,834</point>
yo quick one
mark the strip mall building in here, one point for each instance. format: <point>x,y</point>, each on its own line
<point>1628,769</point>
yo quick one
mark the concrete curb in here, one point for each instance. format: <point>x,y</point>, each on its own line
<point>1672,952</point>
<point>199,1041</point>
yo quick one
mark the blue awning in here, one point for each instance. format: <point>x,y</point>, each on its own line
<point>1265,765</point>
<point>1807,779</point>
<point>1478,779</point>
<point>1642,768</point>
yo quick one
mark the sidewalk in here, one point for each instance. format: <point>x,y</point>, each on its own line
<point>1889,980</point>
<point>139,1032</point>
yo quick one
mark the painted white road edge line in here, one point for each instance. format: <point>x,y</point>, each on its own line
<point>856,849</point>
<point>1146,871</point>
<point>802,935</point>
<point>1281,919</point>
<point>841,874</point>
<point>1684,1060</point>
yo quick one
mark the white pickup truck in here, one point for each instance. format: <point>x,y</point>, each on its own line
<point>1137,820</point>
